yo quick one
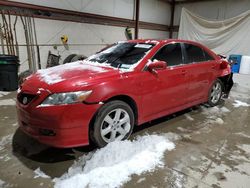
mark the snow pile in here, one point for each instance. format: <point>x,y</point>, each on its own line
<point>242,134</point>
<point>54,74</point>
<point>2,183</point>
<point>14,124</point>
<point>152,41</point>
<point>189,117</point>
<point>224,109</point>
<point>95,63</point>
<point>114,164</point>
<point>141,180</point>
<point>172,136</point>
<point>178,179</point>
<point>40,173</point>
<point>238,103</point>
<point>3,93</point>
<point>219,121</point>
<point>245,148</point>
<point>183,129</point>
<point>214,114</point>
<point>7,102</point>
<point>5,140</point>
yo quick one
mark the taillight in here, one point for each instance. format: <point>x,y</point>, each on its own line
<point>223,64</point>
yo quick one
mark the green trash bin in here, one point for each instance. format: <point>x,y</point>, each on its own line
<point>8,72</point>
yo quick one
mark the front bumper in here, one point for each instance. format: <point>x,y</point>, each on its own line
<point>59,126</point>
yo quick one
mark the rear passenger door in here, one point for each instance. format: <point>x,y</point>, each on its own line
<point>200,68</point>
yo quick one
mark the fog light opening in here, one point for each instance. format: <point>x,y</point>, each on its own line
<point>47,132</point>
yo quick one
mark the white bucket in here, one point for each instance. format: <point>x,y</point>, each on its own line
<point>245,65</point>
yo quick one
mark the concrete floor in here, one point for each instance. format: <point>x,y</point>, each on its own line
<point>212,149</point>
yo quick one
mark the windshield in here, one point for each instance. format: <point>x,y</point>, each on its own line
<point>122,55</point>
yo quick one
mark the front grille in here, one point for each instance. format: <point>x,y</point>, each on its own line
<point>25,98</point>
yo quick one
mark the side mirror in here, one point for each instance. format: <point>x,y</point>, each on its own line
<point>157,65</point>
<point>223,64</point>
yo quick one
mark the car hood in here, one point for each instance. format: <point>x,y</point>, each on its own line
<point>69,77</point>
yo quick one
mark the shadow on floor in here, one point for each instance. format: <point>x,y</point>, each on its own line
<point>164,119</point>
<point>52,161</point>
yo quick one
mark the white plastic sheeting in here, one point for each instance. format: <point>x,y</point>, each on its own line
<point>245,65</point>
<point>230,36</point>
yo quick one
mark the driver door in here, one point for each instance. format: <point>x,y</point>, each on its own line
<point>165,91</point>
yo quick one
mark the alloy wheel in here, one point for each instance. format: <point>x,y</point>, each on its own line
<point>115,125</point>
<point>216,92</point>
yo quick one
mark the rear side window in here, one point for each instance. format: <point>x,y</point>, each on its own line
<point>207,56</point>
<point>171,53</point>
<point>194,53</point>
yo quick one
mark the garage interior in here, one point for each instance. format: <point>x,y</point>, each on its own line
<point>212,145</point>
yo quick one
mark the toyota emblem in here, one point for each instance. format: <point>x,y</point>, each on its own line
<point>25,100</point>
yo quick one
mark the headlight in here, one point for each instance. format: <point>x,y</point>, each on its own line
<point>66,98</point>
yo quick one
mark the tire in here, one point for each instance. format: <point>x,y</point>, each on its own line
<point>78,57</point>
<point>69,58</point>
<point>215,93</point>
<point>108,127</point>
<point>23,75</point>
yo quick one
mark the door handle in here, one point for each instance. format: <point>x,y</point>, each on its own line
<point>213,66</point>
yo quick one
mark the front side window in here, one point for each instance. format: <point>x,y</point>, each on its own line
<point>171,53</point>
<point>122,55</point>
<point>194,53</point>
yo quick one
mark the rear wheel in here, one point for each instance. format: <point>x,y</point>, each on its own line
<point>114,121</point>
<point>215,93</point>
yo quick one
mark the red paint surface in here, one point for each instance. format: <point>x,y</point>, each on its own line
<point>155,95</point>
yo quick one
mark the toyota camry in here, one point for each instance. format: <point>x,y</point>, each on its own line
<point>102,98</point>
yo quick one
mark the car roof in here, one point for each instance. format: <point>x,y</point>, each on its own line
<point>163,41</point>
<point>157,41</point>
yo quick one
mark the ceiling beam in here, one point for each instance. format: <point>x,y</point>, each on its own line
<point>137,19</point>
<point>192,1</point>
<point>17,8</point>
<point>171,26</point>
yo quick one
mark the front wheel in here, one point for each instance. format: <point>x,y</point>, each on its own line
<point>114,121</point>
<point>215,93</point>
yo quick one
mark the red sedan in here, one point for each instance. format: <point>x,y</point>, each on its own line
<point>125,85</point>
